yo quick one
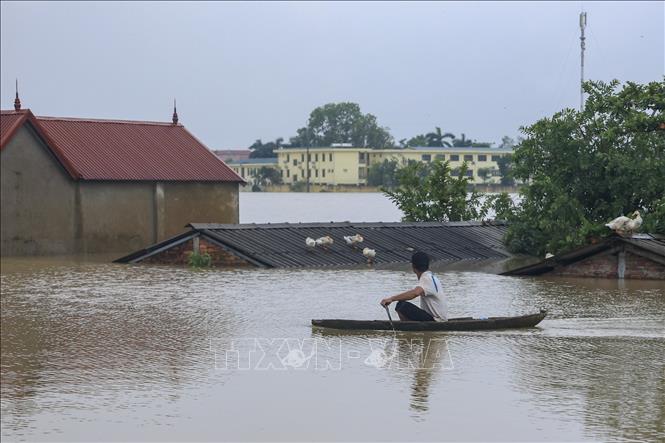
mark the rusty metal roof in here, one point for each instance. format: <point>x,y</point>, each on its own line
<point>283,245</point>
<point>125,150</point>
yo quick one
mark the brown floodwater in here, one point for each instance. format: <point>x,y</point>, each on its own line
<point>93,351</point>
<point>97,351</point>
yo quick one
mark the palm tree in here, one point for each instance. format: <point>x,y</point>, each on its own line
<point>438,139</point>
<point>461,142</point>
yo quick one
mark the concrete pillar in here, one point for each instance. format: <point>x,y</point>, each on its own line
<point>159,218</point>
<point>621,264</point>
<point>196,247</point>
<point>79,243</point>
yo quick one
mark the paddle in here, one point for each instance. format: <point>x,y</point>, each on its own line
<point>389,317</point>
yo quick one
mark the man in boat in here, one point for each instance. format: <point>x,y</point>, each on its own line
<point>432,302</point>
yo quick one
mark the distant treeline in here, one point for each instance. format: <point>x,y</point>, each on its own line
<point>345,123</point>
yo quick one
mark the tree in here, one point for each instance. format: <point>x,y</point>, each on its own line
<point>342,123</point>
<point>418,140</point>
<point>260,150</point>
<point>504,163</point>
<point>484,174</point>
<point>438,139</point>
<point>462,142</point>
<point>267,176</point>
<point>506,142</point>
<point>428,192</point>
<point>583,169</point>
<point>383,174</point>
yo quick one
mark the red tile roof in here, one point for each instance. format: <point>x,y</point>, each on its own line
<point>126,150</point>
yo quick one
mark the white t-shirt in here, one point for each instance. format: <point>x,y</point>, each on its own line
<point>433,300</point>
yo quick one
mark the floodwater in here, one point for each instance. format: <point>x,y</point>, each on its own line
<point>93,351</point>
<point>294,207</point>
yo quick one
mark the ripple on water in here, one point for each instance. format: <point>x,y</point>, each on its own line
<point>84,344</point>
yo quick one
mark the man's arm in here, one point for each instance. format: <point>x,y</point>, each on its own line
<point>408,295</point>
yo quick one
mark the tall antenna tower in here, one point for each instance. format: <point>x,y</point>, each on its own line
<point>582,47</point>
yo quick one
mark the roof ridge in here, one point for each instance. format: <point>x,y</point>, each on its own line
<point>109,121</point>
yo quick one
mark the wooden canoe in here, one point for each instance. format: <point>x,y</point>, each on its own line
<point>454,324</point>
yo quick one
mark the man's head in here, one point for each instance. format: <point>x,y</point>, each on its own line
<point>420,262</point>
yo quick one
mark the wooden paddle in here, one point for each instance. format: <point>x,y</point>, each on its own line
<point>389,317</point>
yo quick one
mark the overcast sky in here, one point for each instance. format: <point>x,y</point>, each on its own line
<point>243,71</point>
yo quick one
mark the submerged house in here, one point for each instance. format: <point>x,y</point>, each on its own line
<point>72,185</point>
<point>465,245</point>
<point>641,256</point>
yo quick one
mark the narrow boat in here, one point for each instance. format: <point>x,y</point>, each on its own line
<point>453,324</point>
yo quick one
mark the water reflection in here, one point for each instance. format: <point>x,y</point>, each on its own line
<point>128,347</point>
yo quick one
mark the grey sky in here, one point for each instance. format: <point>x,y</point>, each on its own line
<point>243,71</point>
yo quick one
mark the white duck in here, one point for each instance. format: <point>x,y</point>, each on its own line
<point>324,241</point>
<point>310,242</point>
<point>624,225</point>
<point>370,254</point>
<point>634,224</point>
<point>352,240</point>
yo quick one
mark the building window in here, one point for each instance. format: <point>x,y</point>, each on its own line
<point>288,173</point>
<point>323,173</point>
<point>454,157</point>
<point>361,157</point>
<point>468,158</point>
<point>362,173</point>
<point>288,158</point>
<point>309,173</point>
<point>482,158</point>
<point>295,162</point>
<point>439,156</point>
<point>469,173</point>
<point>330,156</point>
<point>427,157</point>
<point>309,157</point>
<point>295,177</point>
<point>316,173</point>
<point>495,158</point>
<point>316,157</point>
<point>302,157</point>
<point>242,171</point>
<point>455,172</point>
<point>281,172</point>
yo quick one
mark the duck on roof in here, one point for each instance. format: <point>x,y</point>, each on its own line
<point>77,172</point>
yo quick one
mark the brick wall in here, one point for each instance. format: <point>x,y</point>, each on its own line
<point>643,268</point>
<point>179,255</point>
<point>605,266</point>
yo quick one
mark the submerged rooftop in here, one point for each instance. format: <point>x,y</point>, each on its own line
<point>283,245</point>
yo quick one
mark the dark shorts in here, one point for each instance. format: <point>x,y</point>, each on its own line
<point>412,312</point>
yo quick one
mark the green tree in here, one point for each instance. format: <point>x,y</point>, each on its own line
<point>429,192</point>
<point>507,142</point>
<point>505,169</point>
<point>484,174</point>
<point>383,174</point>
<point>267,176</point>
<point>260,150</point>
<point>582,169</point>
<point>439,139</point>
<point>462,142</point>
<point>342,123</point>
<point>418,140</point>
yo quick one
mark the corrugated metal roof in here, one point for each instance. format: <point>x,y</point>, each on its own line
<point>10,121</point>
<point>654,245</point>
<point>127,150</point>
<point>283,245</point>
